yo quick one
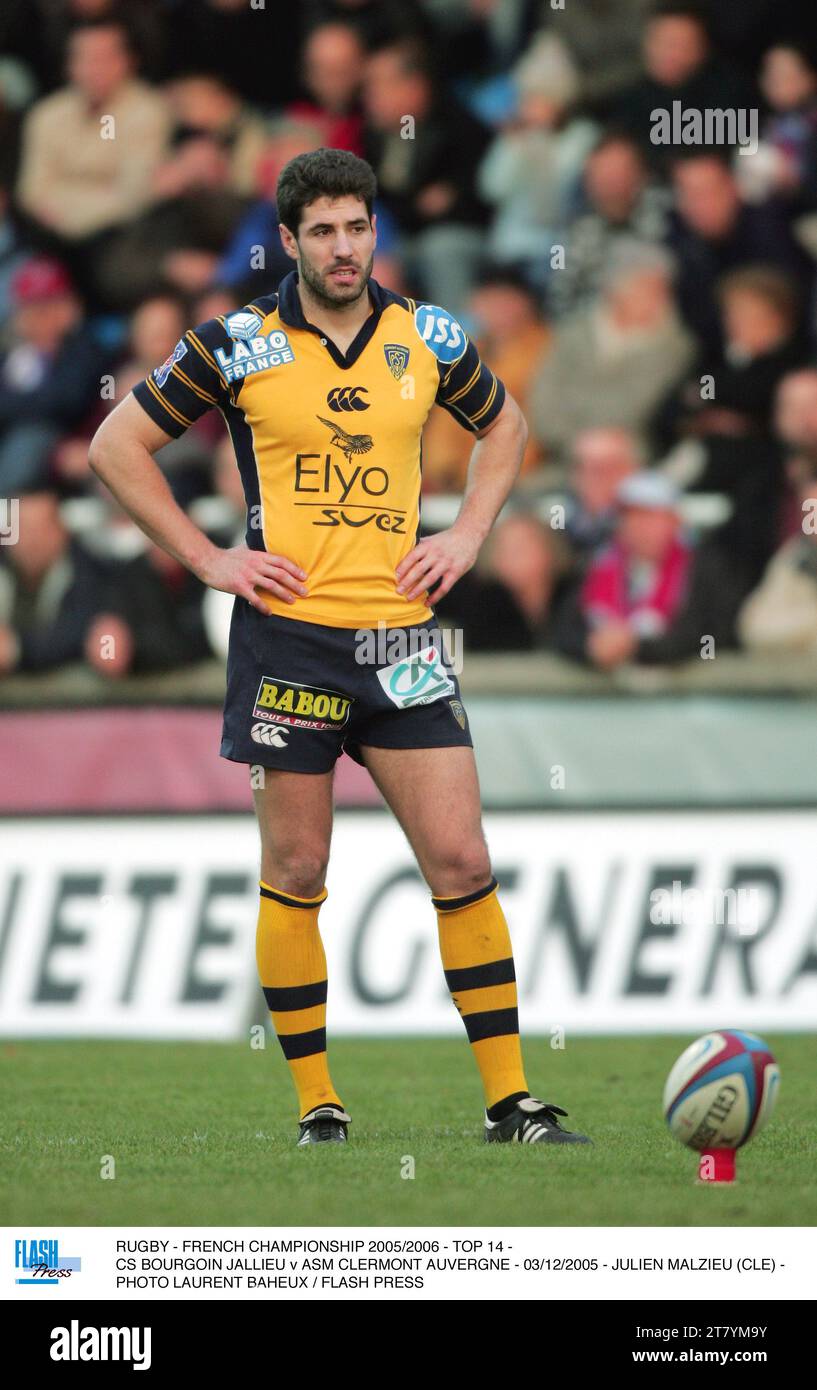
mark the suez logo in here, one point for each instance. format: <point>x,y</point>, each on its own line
<point>302,706</point>
<point>75,1343</point>
<point>38,1262</point>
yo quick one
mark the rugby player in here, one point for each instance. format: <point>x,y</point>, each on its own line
<point>325,388</point>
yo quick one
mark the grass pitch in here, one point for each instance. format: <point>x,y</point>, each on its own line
<point>203,1134</point>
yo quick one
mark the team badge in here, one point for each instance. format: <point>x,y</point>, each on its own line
<point>397,358</point>
<point>161,374</point>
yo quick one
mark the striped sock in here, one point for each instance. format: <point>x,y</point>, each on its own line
<point>292,971</point>
<point>477,956</point>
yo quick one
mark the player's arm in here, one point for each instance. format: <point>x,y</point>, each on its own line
<point>444,558</point>
<point>121,455</point>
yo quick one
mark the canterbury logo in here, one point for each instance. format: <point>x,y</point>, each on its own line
<point>272,735</point>
<point>347,398</point>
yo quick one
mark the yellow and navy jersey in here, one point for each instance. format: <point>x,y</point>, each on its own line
<point>328,444</point>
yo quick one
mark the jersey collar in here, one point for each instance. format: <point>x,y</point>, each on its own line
<point>292,314</point>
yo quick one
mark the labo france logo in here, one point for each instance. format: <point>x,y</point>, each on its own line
<point>255,355</point>
<point>39,1262</point>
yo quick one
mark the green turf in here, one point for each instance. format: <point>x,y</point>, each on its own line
<point>202,1134</point>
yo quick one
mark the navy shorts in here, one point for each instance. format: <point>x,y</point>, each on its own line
<point>299,694</point>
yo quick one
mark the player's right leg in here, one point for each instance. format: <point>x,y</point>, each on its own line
<point>294,813</point>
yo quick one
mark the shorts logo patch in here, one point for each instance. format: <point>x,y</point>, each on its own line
<point>301,706</point>
<point>271,735</point>
<point>417,680</point>
<point>458,712</point>
<point>161,374</point>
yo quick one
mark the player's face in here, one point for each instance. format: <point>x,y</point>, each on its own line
<point>335,249</point>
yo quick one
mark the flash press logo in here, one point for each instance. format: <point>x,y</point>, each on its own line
<point>9,520</point>
<point>75,1343</point>
<point>688,125</point>
<point>39,1262</point>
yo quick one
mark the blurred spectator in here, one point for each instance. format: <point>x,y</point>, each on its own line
<point>532,168</point>
<point>378,22</point>
<point>512,339</point>
<point>203,106</point>
<point>781,614</point>
<point>602,459</point>
<point>38,32</point>
<point>510,603</point>
<point>715,231</point>
<point>51,592</point>
<point>726,408</point>
<point>51,376</point>
<point>76,179</point>
<point>332,72</point>
<point>179,241</point>
<point>613,363</point>
<point>649,597</point>
<point>428,181</point>
<point>254,261</point>
<point>679,66</point>
<point>12,251</point>
<point>159,605</point>
<point>622,201</point>
<point>785,164</point>
<point>604,39</point>
<point>796,413</point>
<point>253,48</point>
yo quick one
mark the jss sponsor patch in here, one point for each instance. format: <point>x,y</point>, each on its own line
<point>161,374</point>
<point>440,332</point>
<point>303,706</point>
<point>417,680</point>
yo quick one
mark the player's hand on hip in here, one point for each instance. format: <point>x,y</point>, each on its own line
<point>438,560</point>
<point>242,571</point>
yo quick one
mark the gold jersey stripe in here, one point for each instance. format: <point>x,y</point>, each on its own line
<point>171,410</point>
<point>208,357</point>
<point>487,405</point>
<point>463,391</point>
<point>198,390</point>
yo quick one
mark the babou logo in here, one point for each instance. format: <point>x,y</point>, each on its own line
<point>304,706</point>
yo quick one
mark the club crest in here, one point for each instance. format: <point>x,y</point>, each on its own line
<point>397,358</point>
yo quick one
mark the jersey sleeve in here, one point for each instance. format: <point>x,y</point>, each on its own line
<point>188,383</point>
<point>470,392</point>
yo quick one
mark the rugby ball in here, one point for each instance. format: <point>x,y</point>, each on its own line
<point>721,1091</point>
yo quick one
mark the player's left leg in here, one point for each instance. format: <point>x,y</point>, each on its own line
<point>434,794</point>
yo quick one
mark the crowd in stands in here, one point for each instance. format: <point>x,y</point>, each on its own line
<point>651,303</point>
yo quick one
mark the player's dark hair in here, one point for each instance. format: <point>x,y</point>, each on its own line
<point>322,173</point>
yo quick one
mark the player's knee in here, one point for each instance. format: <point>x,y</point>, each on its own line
<point>300,871</point>
<point>463,868</point>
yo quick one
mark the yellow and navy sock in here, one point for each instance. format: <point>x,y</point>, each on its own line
<point>477,957</point>
<point>292,971</point>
